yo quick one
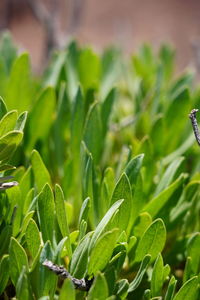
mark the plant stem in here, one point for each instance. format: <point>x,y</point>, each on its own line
<point>80,284</point>
<point>192,116</point>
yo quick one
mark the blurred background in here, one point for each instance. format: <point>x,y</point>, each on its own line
<point>39,26</point>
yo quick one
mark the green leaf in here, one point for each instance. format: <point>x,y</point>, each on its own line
<point>25,185</point>
<point>122,288</point>
<point>46,280</point>
<point>157,277</point>
<point>30,201</point>
<point>79,261</point>
<point>6,167</point>
<point>99,289</point>
<point>140,274</point>
<point>133,167</point>
<point>85,208</point>
<point>77,121</point>
<point>17,260</point>
<point>46,212</point>
<point>8,51</point>
<point>93,129</point>
<point>22,287</point>
<point>189,290</point>
<point>141,224</point>
<point>60,250</point>
<point>193,252</point>
<point>40,172</point>
<point>61,216</point>
<point>25,222</point>
<point>157,203</point>
<point>8,122</point>
<point>101,227</point>
<point>52,78</point>
<point>5,236</point>
<point>123,191</point>
<point>20,88</point>
<point>168,175</point>
<point>152,242</point>
<point>106,110</point>
<point>138,199</point>
<point>21,121</point>
<point>33,238</point>
<point>67,291</point>
<point>102,251</point>
<point>41,117</point>
<point>82,229</point>
<point>89,68</point>
<point>8,144</point>
<point>171,289</point>
<point>180,103</point>
<point>180,150</point>
<point>4,274</point>
<point>3,109</point>
<point>60,127</point>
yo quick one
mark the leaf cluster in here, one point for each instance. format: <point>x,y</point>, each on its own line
<point>108,174</point>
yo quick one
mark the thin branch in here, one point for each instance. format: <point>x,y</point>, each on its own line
<point>80,284</point>
<point>7,185</point>
<point>192,116</point>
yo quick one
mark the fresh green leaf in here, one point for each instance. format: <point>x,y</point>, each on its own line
<point>189,290</point>
<point>61,215</point>
<point>123,191</point>
<point>79,261</point>
<point>99,289</point>
<point>20,90</point>
<point>4,274</point>
<point>140,274</point>
<point>33,238</point>
<point>101,227</point>
<point>67,291</point>
<point>40,172</point>
<point>152,242</point>
<point>17,259</point>
<point>157,203</point>
<point>102,251</point>
<point>46,212</point>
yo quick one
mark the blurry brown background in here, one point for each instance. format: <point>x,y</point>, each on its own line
<point>40,25</point>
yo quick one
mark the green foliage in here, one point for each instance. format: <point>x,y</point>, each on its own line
<point>108,174</point>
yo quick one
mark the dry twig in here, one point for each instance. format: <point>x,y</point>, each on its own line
<point>80,284</point>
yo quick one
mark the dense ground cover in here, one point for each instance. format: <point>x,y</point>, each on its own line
<point>108,173</point>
